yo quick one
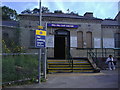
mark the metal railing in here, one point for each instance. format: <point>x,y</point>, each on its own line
<point>117,52</point>
<point>19,67</point>
<point>96,56</point>
<point>70,59</point>
<point>92,59</point>
<point>105,52</point>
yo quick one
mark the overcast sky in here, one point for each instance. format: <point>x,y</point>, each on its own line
<point>101,10</point>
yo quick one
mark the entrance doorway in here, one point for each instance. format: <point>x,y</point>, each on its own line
<point>62,44</point>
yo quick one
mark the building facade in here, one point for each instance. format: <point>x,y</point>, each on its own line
<point>71,34</point>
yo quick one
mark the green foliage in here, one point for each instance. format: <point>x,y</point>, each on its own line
<point>19,67</point>
<point>27,11</point>
<point>12,45</point>
<point>8,13</point>
<point>35,10</point>
<point>43,80</point>
<point>73,13</point>
<point>9,46</point>
<point>8,68</point>
<point>45,10</point>
<point>58,11</point>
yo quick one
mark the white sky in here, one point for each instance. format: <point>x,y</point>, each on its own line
<point>104,9</point>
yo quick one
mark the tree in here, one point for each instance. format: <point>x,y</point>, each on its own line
<point>35,10</point>
<point>73,13</point>
<point>45,10</point>
<point>58,11</point>
<point>27,11</point>
<point>8,13</point>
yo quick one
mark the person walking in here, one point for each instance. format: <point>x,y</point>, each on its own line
<point>110,62</point>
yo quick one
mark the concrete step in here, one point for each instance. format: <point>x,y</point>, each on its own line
<point>82,65</point>
<point>57,60</point>
<point>56,66</point>
<point>64,68</point>
<point>60,71</point>
<point>83,71</point>
<point>71,71</point>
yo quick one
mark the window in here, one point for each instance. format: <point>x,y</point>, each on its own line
<point>89,39</point>
<point>117,40</point>
<point>80,39</point>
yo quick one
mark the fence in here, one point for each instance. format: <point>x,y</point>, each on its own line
<point>24,66</point>
<point>105,52</point>
<point>19,67</point>
<point>99,55</point>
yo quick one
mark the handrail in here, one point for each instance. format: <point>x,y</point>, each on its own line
<point>70,59</point>
<point>118,52</point>
<point>92,59</point>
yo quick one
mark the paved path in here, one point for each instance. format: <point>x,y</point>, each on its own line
<point>104,79</point>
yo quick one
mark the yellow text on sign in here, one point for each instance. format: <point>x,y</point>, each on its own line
<point>41,32</point>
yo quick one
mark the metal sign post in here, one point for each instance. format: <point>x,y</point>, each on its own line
<point>39,59</point>
<point>45,58</point>
<point>41,44</point>
<point>39,67</point>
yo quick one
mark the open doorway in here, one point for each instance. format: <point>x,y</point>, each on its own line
<point>62,44</point>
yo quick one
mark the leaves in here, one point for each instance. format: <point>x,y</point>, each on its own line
<point>19,67</point>
<point>27,11</point>
<point>58,11</point>
<point>9,46</point>
<point>45,10</point>
<point>8,13</point>
<point>35,11</point>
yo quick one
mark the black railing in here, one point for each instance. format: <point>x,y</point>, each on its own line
<point>70,59</point>
<point>117,53</point>
<point>92,58</point>
<point>105,52</point>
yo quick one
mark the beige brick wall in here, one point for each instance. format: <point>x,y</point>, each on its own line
<point>93,26</point>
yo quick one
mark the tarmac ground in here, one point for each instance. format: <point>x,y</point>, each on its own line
<point>104,79</point>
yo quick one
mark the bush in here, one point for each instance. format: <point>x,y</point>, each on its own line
<point>19,67</point>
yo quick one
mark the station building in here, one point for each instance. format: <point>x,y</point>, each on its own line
<point>72,34</point>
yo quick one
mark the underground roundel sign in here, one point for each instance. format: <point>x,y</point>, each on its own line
<point>40,38</point>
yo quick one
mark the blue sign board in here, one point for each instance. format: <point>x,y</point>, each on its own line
<point>40,41</point>
<point>40,38</point>
<point>62,25</point>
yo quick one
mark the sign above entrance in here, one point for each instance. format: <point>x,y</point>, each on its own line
<point>62,25</point>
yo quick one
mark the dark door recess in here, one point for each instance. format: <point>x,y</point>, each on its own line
<point>62,44</point>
